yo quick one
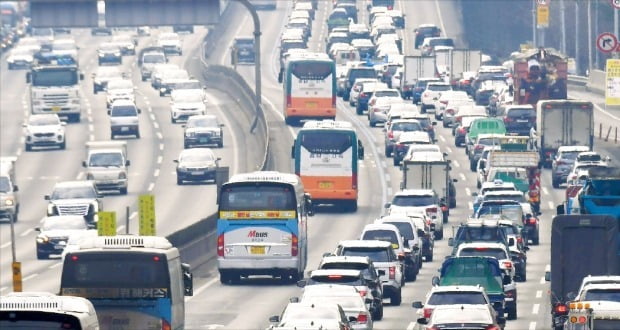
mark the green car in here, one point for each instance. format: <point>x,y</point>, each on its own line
<point>481,126</point>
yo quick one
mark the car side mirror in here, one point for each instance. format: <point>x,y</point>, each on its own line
<point>360,151</point>
<point>294,300</point>
<point>417,304</point>
<point>188,280</point>
<point>109,112</point>
<point>139,111</point>
<point>81,76</point>
<point>326,254</point>
<point>175,161</point>
<point>127,163</point>
<point>422,321</point>
<point>381,272</point>
<point>497,305</point>
<point>84,164</point>
<point>302,283</point>
<point>37,229</point>
<point>387,205</point>
<point>274,319</point>
<point>309,206</point>
<point>547,276</point>
<point>293,151</point>
<point>368,301</point>
<point>435,281</point>
<point>46,197</point>
<point>15,188</point>
<point>28,77</point>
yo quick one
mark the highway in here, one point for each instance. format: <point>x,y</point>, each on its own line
<point>248,305</point>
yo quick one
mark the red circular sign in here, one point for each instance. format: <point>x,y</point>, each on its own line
<point>606,42</point>
<point>615,3</point>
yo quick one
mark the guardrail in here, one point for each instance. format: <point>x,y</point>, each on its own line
<point>595,82</point>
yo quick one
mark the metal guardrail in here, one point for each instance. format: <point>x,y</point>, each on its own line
<point>577,80</point>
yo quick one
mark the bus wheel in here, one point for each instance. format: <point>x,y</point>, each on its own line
<point>290,121</point>
<point>350,206</point>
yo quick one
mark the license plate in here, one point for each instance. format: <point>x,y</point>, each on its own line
<point>522,120</point>
<point>311,105</point>
<point>124,129</point>
<point>325,185</point>
<point>198,173</point>
<point>59,247</point>
<point>257,249</point>
<point>55,109</point>
<point>203,140</point>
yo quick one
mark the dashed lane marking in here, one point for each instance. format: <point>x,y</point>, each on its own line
<point>551,206</point>
<point>467,191</point>
<point>463,177</point>
<point>532,326</point>
<point>542,280</point>
<point>5,245</point>
<point>539,294</point>
<point>25,233</point>
<point>535,308</point>
<point>159,136</point>
<point>456,163</point>
<point>545,191</point>
<point>448,149</point>
<point>156,173</point>
<point>471,205</point>
<point>159,159</point>
<point>151,186</point>
<point>120,228</point>
<point>29,277</point>
<point>161,146</point>
<point>55,265</point>
<point>442,138</point>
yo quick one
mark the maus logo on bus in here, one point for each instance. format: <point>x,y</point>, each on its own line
<point>257,234</point>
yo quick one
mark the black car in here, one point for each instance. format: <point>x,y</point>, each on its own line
<point>55,231</point>
<point>203,130</point>
<point>183,28</point>
<point>519,119</point>
<point>109,53</point>
<point>425,31</point>
<point>101,31</point>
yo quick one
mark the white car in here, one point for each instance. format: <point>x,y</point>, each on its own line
<point>65,47</point>
<point>420,201</point>
<point>44,131</point>
<point>346,296</point>
<point>452,295</point>
<point>390,233</point>
<point>432,93</point>
<point>442,102</point>
<point>20,58</point>
<point>124,119</point>
<point>170,42</point>
<point>120,89</point>
<point>357,89</point>
<point>185,103</point>
<point>379,104</point>
<point>310,316</point>
<point>467,316</point>
<point>125,43</point>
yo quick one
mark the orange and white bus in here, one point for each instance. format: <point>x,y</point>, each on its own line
<point>309,82</point>
<point>326,155</point>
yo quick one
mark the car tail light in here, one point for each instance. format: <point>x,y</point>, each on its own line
<point>376,109</point>
<point>560,309</point>
<point>392,272</point>
<point>531,221</point>
<point>294,245</point>
<point>428,312</point>
<point>462,130</point>
<point>459,119</point>
<point>220,245</point>
<point>362,293</point>
<point>427,94</point>
<point>289,100</point>
<point>357,88</point>
<point>372,102</point>
<point>519,239</point>
<point>390,7</point>
<point>508,264</point>
<point>479,147</point>
<point>362,95</point>
<point>362,318</point>
<point>165,325</point>
<point>450,111</point>
<point>354,182</point>
<point>443,102</point>
<point>444,208</point>
<point>492,327</point>
<point>510,294</point>
<point>406,88</point>
<point>390,134</point>
<point>508,120</point>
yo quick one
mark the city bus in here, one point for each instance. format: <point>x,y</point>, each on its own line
<point>326,155</point>
<point>43,310</point>
<point>264,4</point>
<point>309,84</point>
<point>262,227</point>
<point>134,282</point>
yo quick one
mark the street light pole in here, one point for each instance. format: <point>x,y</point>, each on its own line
<point>563,24</point>
<point>589,36</point>
<point>534,27</point>
<point>257,62</point>
<point>577,36</point>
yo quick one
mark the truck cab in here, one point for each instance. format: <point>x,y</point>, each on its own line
<point>106,165</point>
<point>9,198</point>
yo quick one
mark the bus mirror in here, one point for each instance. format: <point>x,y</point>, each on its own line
<point>360,152</point>
<point>293,150</point>
<point>308,204</point>
<point>28,77</point>
<point>280,76</point>
<point>188,279</point>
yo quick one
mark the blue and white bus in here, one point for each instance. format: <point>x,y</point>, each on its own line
<point>134,282</point>
<point>262,227</point>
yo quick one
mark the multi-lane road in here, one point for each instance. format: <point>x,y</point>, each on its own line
<point>248,305</point>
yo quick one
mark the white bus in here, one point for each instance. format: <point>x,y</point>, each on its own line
<point>264,4</point>
<point>43,310</point>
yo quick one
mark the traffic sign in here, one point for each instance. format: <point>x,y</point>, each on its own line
<point>542,17</point>
<point>106,226</point>
<point>615,3</point>
<point>17,276</point>
<point>146,205</point>
<point>542,2</point>
<point>612,79</point>
<point>607,42</point>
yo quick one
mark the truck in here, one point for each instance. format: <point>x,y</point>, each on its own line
<point>55,88</point>
<point>9,199</point>
<point>530,161</point>
<point>416,67</point>
<point>106,165</point>
<point>539,74</point>
<point>452,63</point>
<point>562,123</point>
<point>581,245</point>
<point>593,315</point>
<point>428,170</point>
<point>601,192</point>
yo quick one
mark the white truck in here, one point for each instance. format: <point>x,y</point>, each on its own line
<point>106,165</point>
<point>452,63</point>
<point>55,88</point>
<point>563,123</point>
<point>416,67</point>
<point>428,170</point>
<point>9,199</point>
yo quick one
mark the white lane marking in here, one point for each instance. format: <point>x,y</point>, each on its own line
<point>545,191</point>
<point>55,265</point>
<point>411,325</point>
<point>535,308</point>
<point>156,125</point>
<point>29,277</point>
<point>539,294</point>
<point>152,116</point>
<point>18,152</point>
<point>456,163</point>
<point>448,149</point>
<point>133,215</point>
<point>202,288</point>
<point>383,164</point>
<point>388,178</point>
<point>156,173</point>
<point>80,176</point>
<point>151,186</point>
<point>463,176</point>
<point>542,280</point>
<point>91,137</point>
<point>605,112</point>
<point>25,233</point>
<point>5,245</point>
<point>471,205</point>
<point>532,326</point>
<point>442,138</point>
<point>389,191</point>
<point>467,191</point>
<point>159,136</point>
<point>159,159</point>
<point>551,206</point>
<point>161,146</point>
<point>120,228</point>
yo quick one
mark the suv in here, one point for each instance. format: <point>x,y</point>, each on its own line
<point>477,231</point>
<point>519,119</point>
<point>390,233</point>
<point>411,238</point>
<point>393,131</point>
<point>366,92</point>
<point>203,130</point>
<point>372,288</point>
<point>420,87</point>
<point>563,163</point>
<point>421,201</point>
<point>75,198</point>
<point>355,73</point>
<point>149,58</point>
<point>357,89</point>
<point>124,119</point>
<point>476,149</point>
<point>424,31</point>
<point>389,265</point>
<point>452,295</point>
<point>431,93</point>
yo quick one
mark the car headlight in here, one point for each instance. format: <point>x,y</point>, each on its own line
<point>101,54</point>
<point>190,134</point>
<point>43,239</point>
<point>75,101</point>
<point>117,54</point>
<point>9,202</point>
<point>122,175</point>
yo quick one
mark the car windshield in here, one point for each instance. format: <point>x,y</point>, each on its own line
<point>413,200</point>
<point>589,158</point>
<point>64,223</point>
<point>467,233</point>
<point>202,122</point>
<point>43,120</point>
<point>187,97</point>
<point>73,192</point>
<point>106,159</point>
<point>63,46</point>
<point>154,58</point>
<point>483,252</point>
<point>375,254</point>
<point>196,157</point>
<point>305,312</point>
<point>382,235</point>
<point>336,279</point>
<point>439,88</point>
<point>405,229</point>
<point>569,155</point>
<point>124,111</point>
<point>453,298</point>
<point>386,93</point>
<point>5,184</point>
<point>522,113</point>
<point>515,197</point>
<point>488,141</point>
<point>603,294</point>
<point>406,126</point>
<point>187,85</point>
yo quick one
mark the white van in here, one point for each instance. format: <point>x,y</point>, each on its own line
<point>9,199</point>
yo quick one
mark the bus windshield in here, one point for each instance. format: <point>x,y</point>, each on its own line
<point>320,142</point>
<point>38,320</point>
<point>117,271</point>
<point>257,197</point>
<point>311,70</point>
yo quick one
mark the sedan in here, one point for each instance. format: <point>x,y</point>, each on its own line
<point>185,103</point>
<point>44,130</point>
<point>466,316</point>
<point>103,75</point>
<point>197,164</point>
<point>55,232</point>
<point>203,130</point>
<point>20,58</point>
<point>109,53</point>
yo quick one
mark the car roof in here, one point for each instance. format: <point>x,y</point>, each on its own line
<point>343,272</point>
<point>415,192</point>
<point>379,226</point>
<point>450,314</point>
<point>329,290</point>
<point>487,245</point>
<point>365,243</point>
<point>573,149</point>
<point>69,184</point>
<point>345,259</point>
<point>504,192</point>
<point>459,288</point>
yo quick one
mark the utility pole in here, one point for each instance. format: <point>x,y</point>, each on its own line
<point>563,26</point>
<point>577,36</point>
<point>596,33</point>
<point>589,36</point>
<point>534,27</point>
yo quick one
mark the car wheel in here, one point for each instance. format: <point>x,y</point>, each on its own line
<point>555,183</point>
<point>429,257</point>
<point>179,181</point>
<point>478,184</point>
<point>512,313</point>
<point>137,134</point>
<point>351,103</point>
<point>186,145</point>
<point>439,234</point>
<point>535,240</point>
<point>372,124</point>
<point>423,109</point>
<point>396,299</point>
<point>63,145</point>
<point>378,315</point>
<point>95,90</point>
<point>220,144</point>
<point>387,151</point>
<point>123,191</point>
<point>472,166</point>
<point>28,147</point>
<point>358,110</point>
<point>75,118</point>
<point>396,161</point>
<point>345,96</point>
